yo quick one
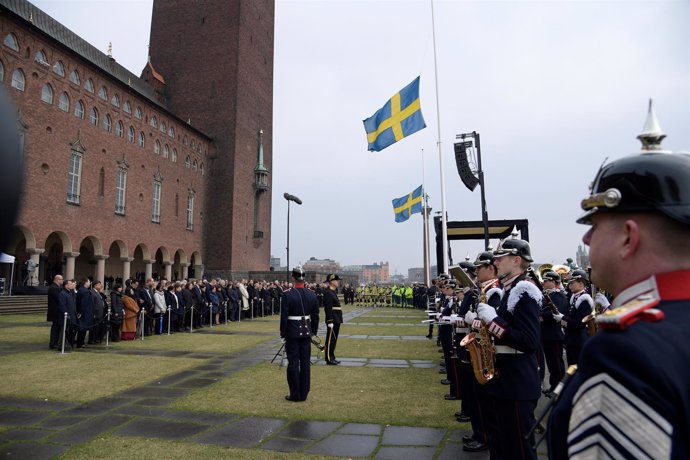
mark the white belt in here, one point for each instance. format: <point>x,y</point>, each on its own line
<point>337,308</point>
<point>506,350</point>
<point>297,318</point>
<point>459,330</point>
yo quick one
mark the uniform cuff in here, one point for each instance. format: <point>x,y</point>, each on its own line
<point>497,327</point>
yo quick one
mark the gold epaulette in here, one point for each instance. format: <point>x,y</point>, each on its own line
<point>638,309</point>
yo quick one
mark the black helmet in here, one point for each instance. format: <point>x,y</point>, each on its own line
<point>654,180</point>
<point>552,276</point>
<point>298,274</point>
<point>514,246</point>
<point>484,258</point>
<point>468,267</point>
<point>578,275</point>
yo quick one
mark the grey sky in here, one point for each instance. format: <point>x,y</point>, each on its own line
<point>552,87</point>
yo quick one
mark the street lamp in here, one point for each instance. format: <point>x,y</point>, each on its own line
<point>289,198</point>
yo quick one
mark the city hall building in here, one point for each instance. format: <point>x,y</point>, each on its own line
<point>165,173</point>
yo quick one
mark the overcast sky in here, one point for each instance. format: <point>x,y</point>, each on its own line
<point>553,87</point>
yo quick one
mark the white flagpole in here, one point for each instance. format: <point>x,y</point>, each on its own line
<point>444,230</point>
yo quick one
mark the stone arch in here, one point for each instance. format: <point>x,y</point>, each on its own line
<point>57,245</point>
<point>161,260</point>
<point>141,257</point>
<point>196,269</point>
<point>85,263</point>
<point>21,240</point>
<point>114,264</point>
<point>178,259</point>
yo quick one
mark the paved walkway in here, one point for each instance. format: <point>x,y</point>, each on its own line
<point>44,429</point>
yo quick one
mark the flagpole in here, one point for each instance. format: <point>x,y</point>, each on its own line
<point>444,231</point>
<point>425,221</point>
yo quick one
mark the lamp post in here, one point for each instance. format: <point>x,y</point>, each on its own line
<point>289,198</point>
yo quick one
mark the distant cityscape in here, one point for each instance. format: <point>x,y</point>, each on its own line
<point>379,272</point>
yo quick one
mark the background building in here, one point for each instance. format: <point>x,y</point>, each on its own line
<point>321,265</point>
<point>165,174</point>
<point>376,273</point>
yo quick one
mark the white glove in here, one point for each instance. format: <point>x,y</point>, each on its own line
<point>469,317</point>
<point>558,317</point>
<point>486,313</point>
<point>282,340</point>
<point>330,325</point>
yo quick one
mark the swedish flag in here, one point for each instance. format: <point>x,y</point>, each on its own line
<point>399,117</point>
<point>407,205</point>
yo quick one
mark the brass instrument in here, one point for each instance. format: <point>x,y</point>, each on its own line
<point>481,349</point>
<point>543,268</point>
<point>563,271</point>
<point>317,343</point>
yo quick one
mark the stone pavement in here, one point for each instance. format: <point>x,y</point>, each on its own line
<point>44,429</point>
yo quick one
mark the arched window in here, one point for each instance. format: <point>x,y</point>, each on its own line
<point>127,107</point>
<point>201,168</point>
<point>101,182</point>
<point>79,109</point>
<point>185,140</point>
<point>163,128</point>
<point>11,42</point>
<point>108,123</point>
<point>103,93</point>
<point>2,71</point>
<point>119,129</point>
<point>174,155</point>
<point>195,166</point>
<point>153,121</point>
<point>63,102</point>
<point>142,139</point>
<point>74,77</point>
<point>171,132</point>
<point>88,85</point>
<point>137,113</point>
<point>41,57</point>
<point>192,144</point>
<point>47,94</point>
<point>115,100</point>
<point>59,69</point>
<point>94,116</point>
<point>157,147</point>
<point>166,151</point>
<point>18,80</point>
<point>130,134</point>
<point>187,162</point>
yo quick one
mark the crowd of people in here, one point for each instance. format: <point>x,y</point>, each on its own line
<point>88,314</point>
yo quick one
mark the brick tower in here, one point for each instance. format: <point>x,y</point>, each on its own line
<point>216,59</point>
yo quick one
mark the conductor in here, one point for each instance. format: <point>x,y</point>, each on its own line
<point>299,320</point>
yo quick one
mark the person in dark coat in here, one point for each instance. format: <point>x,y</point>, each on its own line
<point>299,320</point>
<point>68,304</point>
<point>117,312</point>
<point>54,311</point>
<point>99,307</point>
<point>234,299</point>
<point>84,313</point>
<point>188,298</point>
<point>551,332</point>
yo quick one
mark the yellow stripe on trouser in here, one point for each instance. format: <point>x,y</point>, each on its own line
<point>329,336</point>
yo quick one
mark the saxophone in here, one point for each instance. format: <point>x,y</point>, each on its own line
<point>481,348</point>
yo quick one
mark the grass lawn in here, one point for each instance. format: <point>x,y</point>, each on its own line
<point>384,329</point>
<point>411,397</point>
<point>386,349</point>
<point>116,447</point>
<point>25,318</point>
<point>81,377</point>
<point>25,334</point>
<point>389,320</point>
<point>209,343</point>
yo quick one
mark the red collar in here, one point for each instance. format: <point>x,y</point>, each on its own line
<point>664,286</point>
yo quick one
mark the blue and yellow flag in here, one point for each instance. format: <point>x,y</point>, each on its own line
<point>400,117</point>
<point>407,205</point>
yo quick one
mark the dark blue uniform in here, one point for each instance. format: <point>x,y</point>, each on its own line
<point>575,330</point>
<point>552,337</point>
<point>514,392</point>
<point>334,315</point>
<point>299,319</point>
<point>630,397</point>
